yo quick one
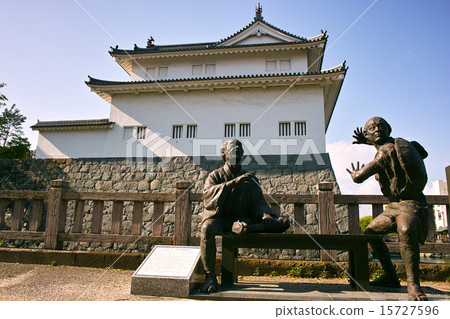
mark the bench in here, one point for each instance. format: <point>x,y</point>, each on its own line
<point>356,245</point>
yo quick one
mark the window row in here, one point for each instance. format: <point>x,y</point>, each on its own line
<point>284,128</point>
<point>191,131</point>
<point>230,130</point>
<point>210,68</point>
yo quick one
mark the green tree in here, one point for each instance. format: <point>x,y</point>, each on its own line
<point>3,98</point>
<point>13,143</point>
<point>364,222</point>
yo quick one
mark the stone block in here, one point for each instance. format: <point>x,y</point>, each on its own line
<point>170,271</point>
<point>143,186</point>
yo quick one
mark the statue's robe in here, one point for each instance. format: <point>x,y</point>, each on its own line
<point>244,202</point>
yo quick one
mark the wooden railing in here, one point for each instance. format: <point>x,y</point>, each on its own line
<point>57,199</point>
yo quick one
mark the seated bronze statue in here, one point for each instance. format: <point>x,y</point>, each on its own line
<point>233,202</point>
<point>399,168</point>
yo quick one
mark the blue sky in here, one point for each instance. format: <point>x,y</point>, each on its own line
<point>397,54</point>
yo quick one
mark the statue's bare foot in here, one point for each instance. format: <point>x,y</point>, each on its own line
<point>415,293</point>
<point>386,281</point>
<point>210,284</point>
<point>239,227</point>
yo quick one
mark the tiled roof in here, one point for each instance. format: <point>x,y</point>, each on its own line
<point>93,81</point>
<point>92,123</point>
<point>205,46</point>
<point>215,45</point>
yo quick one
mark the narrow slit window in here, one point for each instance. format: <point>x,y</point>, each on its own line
<point>177,131</point>
<point>191,131</point>
<point>284,129</point>
<point>244,130</point>
<point>140,132</point>
<point>230,130</point>
<point>300,128</point>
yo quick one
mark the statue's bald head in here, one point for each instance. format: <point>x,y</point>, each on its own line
<point>377,130</point>
<point>377,120</point>
<point>232,152</point>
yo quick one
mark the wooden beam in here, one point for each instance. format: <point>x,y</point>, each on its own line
<point>97,217</point>
<point>122,239</point>
<point>24,194</point>
<point>54,212</point>
<point>36,214</point>
<point>327,220</point>
<point>377,209</point>
<point>144,197</point>
<point>3,206</point>
<point>299,218</point>
<point>158,219</point>
<point>182,231</point>
<point>117,216</point>
<point>78,218</point>
<point>138,213</point>
<point>23,235</point>
<point>353,219</point>
<point>17,215</point>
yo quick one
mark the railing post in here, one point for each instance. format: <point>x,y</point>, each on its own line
<point>182,230</point>
<point>326,209</point>
<point>3,205</point>
<point>447,173</point>
<point>353,219</point>
<point>56,214</point>
<point>327,218</point>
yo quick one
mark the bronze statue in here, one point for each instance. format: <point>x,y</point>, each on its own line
<point>399,168</point>
<point>233,202</point>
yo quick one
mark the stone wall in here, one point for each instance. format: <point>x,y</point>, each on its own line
<point>289,175</point>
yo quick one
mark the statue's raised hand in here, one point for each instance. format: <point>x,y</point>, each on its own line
<point>244,178</point>
<point>360,137</point>
<point>355,170</point>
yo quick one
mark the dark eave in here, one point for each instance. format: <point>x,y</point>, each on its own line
<point>94,82</point>
<point>73,124</point>
<point>206,46</point>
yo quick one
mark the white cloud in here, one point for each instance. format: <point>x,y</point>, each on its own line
<point>342,154</point>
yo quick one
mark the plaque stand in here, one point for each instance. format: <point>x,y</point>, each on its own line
<point>169,271</point>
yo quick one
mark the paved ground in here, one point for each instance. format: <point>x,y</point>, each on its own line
<point>23,282</point>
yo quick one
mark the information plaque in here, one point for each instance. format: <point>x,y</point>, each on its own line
<point>171,271</point>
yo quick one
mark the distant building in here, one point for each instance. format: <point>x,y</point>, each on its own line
<point>262,85</point>
<point>440,211</point>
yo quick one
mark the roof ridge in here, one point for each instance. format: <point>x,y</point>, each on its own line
<point>262,21</point>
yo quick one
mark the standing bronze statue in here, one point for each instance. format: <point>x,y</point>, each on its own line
<point>233,202</point>
<point>399,168</point>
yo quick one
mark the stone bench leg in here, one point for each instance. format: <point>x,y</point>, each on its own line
<point>359,267</point>
<point>229,262</point>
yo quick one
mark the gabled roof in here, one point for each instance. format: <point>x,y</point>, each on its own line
<point>259,35</point>
<point>72,124</point>
<point>260,22</point>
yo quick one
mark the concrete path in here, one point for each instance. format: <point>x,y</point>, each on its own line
<point>23,282</point>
